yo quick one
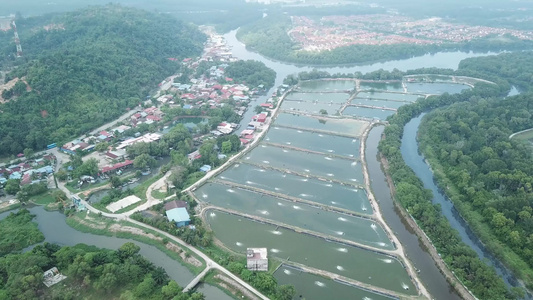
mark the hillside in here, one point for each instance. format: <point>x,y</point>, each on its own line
<point>89,67</point>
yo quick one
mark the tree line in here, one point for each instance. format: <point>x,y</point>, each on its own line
<point>91,272</point>
<point>489,175</point>
<point>478,167</point>
<point>269,37</point>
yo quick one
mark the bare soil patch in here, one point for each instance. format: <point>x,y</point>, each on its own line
<point>133,230</point>
<point>186,258</point>
<point>233,287</point>
<point>92,224</point>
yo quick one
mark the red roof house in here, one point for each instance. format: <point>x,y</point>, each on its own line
<point>153,118</point>
<point>261,118</point>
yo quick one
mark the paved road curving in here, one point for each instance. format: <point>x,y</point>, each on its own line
<point>209,262</point>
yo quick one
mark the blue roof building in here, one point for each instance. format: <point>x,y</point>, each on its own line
<point>15,175</point>
<point>205,168</point>
<point>45,169</point>
<point>178,215</point>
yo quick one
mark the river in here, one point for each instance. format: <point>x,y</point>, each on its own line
<point>416,162</point>
<point>56,230</point>
<point>431,276</point>
<point>448,60</point>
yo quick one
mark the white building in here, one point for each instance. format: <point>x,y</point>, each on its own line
<point>256,259</point>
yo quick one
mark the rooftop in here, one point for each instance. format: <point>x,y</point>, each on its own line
<point>178,215</point>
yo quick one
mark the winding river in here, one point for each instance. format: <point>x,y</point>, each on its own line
<point>431,278</point>
<point>57,231</point>
<point>416,161</point>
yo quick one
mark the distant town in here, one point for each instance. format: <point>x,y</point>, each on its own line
<point>332,32</point>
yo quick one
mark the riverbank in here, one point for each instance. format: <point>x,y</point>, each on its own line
<point>455,283</point>
<point>507,258</point>
<point>377,213</point>
<point>94,224</point>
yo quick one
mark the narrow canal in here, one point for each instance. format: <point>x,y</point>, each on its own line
<point>430,274</point>
<point>415,161</point>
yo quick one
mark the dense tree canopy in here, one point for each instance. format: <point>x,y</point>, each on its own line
<point>17,231</point>
<point>251,73</point>
<point>484,173</point>
<point>103,62</point>
<point>91,272</point>
<point>491,175</point>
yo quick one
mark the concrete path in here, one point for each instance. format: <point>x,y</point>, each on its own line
<point>209,262</point>
<point>197,279</point>
<point>377,213</point>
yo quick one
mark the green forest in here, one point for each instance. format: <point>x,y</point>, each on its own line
<point>488,174</point>
<point>91,272</point>
<point>485,174</point>
<point>268,36</point>
<point>104,61</point>
<point>252,73</point>
<point>17,231</point>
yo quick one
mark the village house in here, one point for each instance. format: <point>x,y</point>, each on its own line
<point>205,168</point>
<point>147,138</point>
<point>52,277</point>
<point>256,259</point>
<point>194,155</point>
<point>116,167</point>
<point>267,105</point>
<point>116,154</point>
<point>76,145</point>
<point>175,204</point>
<point>261,118</point>
<point>120,129</point>
<point>178,215</point>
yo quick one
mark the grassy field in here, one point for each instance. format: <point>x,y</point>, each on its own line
<point>44,199</point>
<point>159,195</point>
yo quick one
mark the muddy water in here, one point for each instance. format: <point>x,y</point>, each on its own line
<point>325,143</point>
<point>430,275</point>
<point>314,287</point>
